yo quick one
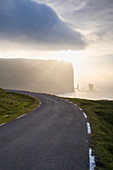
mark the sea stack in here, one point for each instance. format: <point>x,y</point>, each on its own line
<point>77,86</point>
<point>90,86</point>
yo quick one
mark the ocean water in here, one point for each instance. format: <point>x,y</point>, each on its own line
<point>97,94</point>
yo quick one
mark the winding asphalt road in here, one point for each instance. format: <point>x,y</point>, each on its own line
<point>52,137</point>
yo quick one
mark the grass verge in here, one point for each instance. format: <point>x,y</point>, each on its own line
<point>13,105</point>
<point>100,116</point>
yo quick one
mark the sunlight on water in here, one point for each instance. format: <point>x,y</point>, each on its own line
<point>91,94</point>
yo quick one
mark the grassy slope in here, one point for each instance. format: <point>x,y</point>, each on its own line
<point>100,115</point>
<point>13,105</point>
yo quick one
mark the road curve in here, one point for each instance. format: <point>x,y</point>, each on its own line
<point>52,137</point>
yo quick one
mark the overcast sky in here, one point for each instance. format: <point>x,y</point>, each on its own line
<point>38,24</point>
<point>93,18</point>
<point>81,30</point>
<point>57,25</point>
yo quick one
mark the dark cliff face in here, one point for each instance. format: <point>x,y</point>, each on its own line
<point>45,76</point>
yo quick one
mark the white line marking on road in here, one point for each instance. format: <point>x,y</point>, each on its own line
<point>85,115</point>
<point>2,124</point>
<point>20,116</point>
<point>33,110</point>
<point>80,108</point>
<point>75,104</point>
<point>39,101</point>
<point>66,100</point>
<point>92,164</point>
<point>39,104</point>
<point>86,141</point>
<point>88,128</point>
<point>5,115</point>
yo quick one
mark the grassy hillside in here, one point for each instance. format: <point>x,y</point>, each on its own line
<point>100,115</point>
<point>13,105</point>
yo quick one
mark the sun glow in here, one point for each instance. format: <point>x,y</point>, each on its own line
<point>71,56</point>
<point>76,58</point>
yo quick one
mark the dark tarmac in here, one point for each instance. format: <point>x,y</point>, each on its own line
<point>52,137</point>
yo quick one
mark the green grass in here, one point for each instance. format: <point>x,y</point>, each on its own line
<point>13,105</point>
<point>100,116</point>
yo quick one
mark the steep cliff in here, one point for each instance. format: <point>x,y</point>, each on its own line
<point>47,76</point>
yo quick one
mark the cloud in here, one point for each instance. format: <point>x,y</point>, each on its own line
<point>28,22</point>
<point>86,15</point>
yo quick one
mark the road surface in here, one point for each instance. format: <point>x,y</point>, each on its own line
<point>52,137</point>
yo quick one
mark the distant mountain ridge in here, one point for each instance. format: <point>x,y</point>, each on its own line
<point>45,76</point>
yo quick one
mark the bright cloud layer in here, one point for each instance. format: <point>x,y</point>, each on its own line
<point>94,19</point>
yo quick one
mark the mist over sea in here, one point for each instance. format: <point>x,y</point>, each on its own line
<point>96,94</point>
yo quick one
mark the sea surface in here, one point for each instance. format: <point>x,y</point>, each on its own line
<point>96,94</point>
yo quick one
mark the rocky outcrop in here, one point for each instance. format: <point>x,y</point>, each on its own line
<point>90,86</point>
<point>45,76</point>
